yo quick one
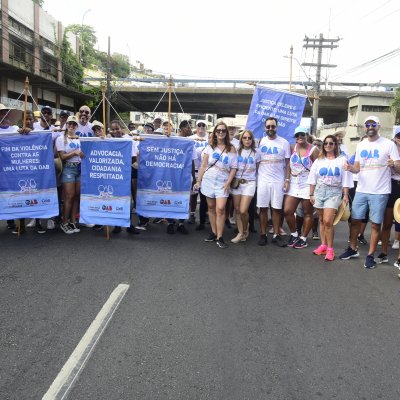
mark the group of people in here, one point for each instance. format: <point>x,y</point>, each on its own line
<point>236,172</point>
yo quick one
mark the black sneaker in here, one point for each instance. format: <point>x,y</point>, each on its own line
<point>279,241</point>
<point>158,220</point>
<point>292,240</point>
<point>98,228</point>
<point>263,240</point>
<point>15,231</point>
<point>211,238</point>
<point>221,244</point>
<point>142,226</point>
<point>66,229</point>
<point>74,227</point>
<point>361,239</point>
<point>117,229</point>
<point>300,244</point>
<point>370,262</point>
<point>382,258</point>
<point>200,227</point>
<point>11,225</point>
<point>315,235</point>
<point>131,229</point>
<point>181,229</point>
<point>192,219</point>
<point>170,229</point>
<point>349,253</point>
<point>39,228</point>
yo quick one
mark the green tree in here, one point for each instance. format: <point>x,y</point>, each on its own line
<point>120,66</point>
<point>40,2</point>
<point>72,69</point>
<point>87,40</point>
<point>395,106</point>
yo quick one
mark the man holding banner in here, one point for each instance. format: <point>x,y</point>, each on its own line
<point>271,183</point>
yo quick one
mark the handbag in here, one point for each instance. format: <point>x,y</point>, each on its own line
<point>235,183</point>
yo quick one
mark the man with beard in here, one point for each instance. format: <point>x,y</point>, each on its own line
<point>273,180</point>
<point>373,162</point>
<point>84,126</point>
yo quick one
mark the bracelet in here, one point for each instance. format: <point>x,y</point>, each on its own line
<point>311,195</point>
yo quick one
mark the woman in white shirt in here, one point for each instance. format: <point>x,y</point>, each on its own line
<point>69,150</point>
<point>246,174</point>
<point>328,181</point>
<point>216,173</point>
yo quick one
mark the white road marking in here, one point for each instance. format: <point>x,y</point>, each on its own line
<point>64,381</point>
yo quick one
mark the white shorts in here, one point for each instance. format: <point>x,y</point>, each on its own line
<point>245,189</point>
<point>270,195</point>
<point>213,187</point>
<point>299,191</point>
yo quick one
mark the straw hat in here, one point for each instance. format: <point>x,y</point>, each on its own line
<point>396,210</point>
<point>343,213</point>
<point>13,114</point>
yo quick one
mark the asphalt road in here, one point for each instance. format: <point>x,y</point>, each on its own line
<point>197,322</point>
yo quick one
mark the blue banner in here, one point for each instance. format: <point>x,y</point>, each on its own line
<point>106,181</point>
<point>27,177</point>
<point>164,177</point>
<point>286,107</point>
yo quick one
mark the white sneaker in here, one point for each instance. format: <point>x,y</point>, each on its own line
<point>32,223</point>
<point>380,243</point>
<point>271,230</point>
<point>396,245</point>
<point>232,220</point>
<point>50,224</point>
<point>89,225</point>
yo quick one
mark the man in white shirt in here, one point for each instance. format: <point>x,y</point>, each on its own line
<point>373,161</point>
<point>84,126</point>
<point>44,124</point>
<point>273,180</point>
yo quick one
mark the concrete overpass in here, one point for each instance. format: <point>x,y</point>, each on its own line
<point>211,98</point>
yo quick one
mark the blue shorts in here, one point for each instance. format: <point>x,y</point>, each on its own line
<point>327,197</point>
<point>71,173</point>
<point>376,203</point>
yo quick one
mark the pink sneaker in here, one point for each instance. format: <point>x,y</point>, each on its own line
<point>330,254</point>
<point>320,250</point>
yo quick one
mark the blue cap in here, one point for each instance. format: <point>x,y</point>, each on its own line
<point>301,129</point>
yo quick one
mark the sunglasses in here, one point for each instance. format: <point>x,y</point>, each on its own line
<point>74,124</point>
<point>298,134</point>
<point>270,126</point>
<point>221,131</point>
<point>247,138</point>
<point>329,144</point>
<point>373,124</point>
<point>201,125</point>
<point>47,112</point>
<point>84,112</point>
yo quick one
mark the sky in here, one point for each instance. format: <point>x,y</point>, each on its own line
<point>247,40</point>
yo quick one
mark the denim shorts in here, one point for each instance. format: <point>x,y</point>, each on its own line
<point>376,203</point>
<point>71,173</point>
<point>327,197</point>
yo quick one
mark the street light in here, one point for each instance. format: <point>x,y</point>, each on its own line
<point>80,36</point>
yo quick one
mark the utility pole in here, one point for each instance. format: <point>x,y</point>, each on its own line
<point>320,43</point>
<point>108,84</point>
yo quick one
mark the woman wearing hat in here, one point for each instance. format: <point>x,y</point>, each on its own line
<point>69,150</point>
<point>302,157</point>
<point>328,181</point>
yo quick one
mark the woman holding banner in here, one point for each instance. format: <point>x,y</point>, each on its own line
<point>216,173</point>
<point>69,150</point>
<point>247,162</point>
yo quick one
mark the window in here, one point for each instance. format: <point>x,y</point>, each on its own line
<point>21,53</point>
<point>383,109</point>
<point>48,65</point>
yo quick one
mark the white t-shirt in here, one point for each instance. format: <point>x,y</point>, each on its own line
<point>223,166</point>
<point>247,162</point>
<point>395,175</point>
<point>344,151</point>
<point>68,145</point>
<point>9,129</point>
<point>326,172</point>
<point>85,130</point>
<point>199,146</point>
<point>273,155</point>
<point>375,175</point>
<point>236,143</point>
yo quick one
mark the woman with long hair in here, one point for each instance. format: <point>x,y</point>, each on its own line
<point>216,173</point>
<point>246,173</point>
<point>69,150</point>
<point>328,183</point>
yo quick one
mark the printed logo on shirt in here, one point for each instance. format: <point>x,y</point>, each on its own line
<point>369,154</point>
<point>223,159</point>
<point>73,145</point>
<point>329,172</point>
<point>301,161</point>
<point>245,160</point>
<point>269,150</point>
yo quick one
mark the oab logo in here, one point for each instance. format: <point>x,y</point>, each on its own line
<point>164,186</point>
<point>106,208</point>
<point>165,202</point>
<point>31,202</point>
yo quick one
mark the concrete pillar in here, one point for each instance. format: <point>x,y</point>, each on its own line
<point>5,46</point>
<point>4,86</point>
<point>36,40</point>
<point>58,102</point>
